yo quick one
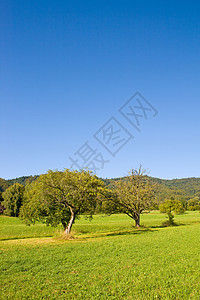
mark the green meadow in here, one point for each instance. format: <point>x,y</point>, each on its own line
<point>106,258</point>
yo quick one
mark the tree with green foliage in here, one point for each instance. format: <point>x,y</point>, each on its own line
<point>169,206</point>
<point>12,199</point>
<point>193,204</point>
<point>3,186</point>
<point>2,208</point>
<point>134,194</point>
<point>59,197</point>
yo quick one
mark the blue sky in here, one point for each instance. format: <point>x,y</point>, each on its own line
<point>68,66</point>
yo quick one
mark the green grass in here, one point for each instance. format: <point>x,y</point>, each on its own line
<point>108,259</point>
<point>13,228</point>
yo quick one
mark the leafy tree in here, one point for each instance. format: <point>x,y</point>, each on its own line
<point>193,204</point>
<point>3,186</point>
<point>169,206</point>
<point>134,195</point>
<point>2,208</point>
<point>13,199</point>
<point>59,197</point>
<point>39,206</point>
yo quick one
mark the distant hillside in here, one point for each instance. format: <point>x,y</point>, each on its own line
<point>185,188</point>
<point>23,180</point>
<point>182,189</point>
<point>4,184</point>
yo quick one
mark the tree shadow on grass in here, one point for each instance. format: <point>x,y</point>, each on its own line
<point>119,233</point>
<point>136,231</point>
<point>25,237</point>
<point>167,225</point>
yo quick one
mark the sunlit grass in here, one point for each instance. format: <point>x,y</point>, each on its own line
<point>14,228</point>
<point>107,259</point>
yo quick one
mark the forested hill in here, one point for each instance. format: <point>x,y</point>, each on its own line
<point>180,189</point>
<point>4,184</point>
<point>185,188</point>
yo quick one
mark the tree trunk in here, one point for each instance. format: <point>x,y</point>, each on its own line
<point>71,221</point>
<point>137,221</point>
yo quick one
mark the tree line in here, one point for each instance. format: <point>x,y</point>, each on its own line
<point>60,197</point>
<point>180,189</point>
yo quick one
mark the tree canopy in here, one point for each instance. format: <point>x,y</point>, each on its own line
<point>12,199</point>
<point>58,197</point>
<point>134,195</point>
<point>169,206</point>
<point>193,204</point>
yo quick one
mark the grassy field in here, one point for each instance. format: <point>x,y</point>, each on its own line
<point>107,259</point>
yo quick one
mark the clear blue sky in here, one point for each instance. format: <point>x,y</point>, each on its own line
<point>66,67</point>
